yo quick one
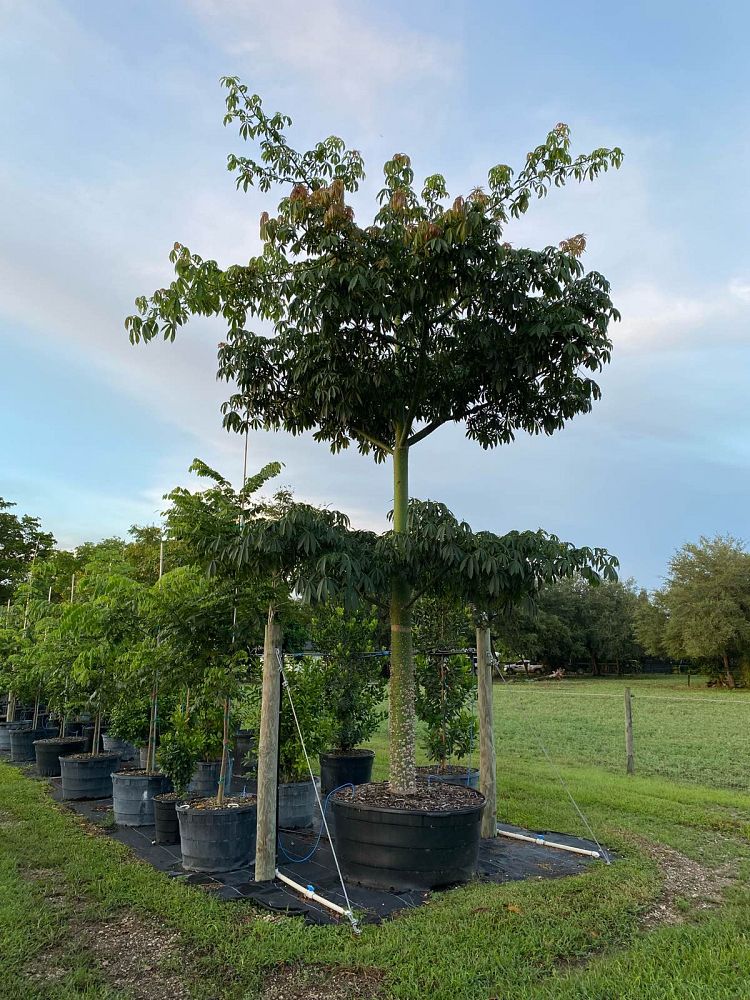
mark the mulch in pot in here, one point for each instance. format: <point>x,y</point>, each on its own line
<point>436,797</point>
<point>94,756</point>
<point>63,739</point>
<point>229,802</point>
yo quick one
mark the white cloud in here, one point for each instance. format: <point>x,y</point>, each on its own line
<point>338,47</point>
<point>740,288</point>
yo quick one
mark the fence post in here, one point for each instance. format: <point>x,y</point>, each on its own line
<point>629,733</point>
<point>487,758</point>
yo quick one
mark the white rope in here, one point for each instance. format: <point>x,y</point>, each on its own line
<point>558,775</point>
<point>349,914</point>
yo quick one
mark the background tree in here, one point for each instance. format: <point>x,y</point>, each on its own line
<point>703,611</point>
<point>383,332</point>
<point>21,541</point>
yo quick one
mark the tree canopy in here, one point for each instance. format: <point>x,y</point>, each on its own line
<point>703,611</point>
<point>21,542</point>
<point>384,331</point>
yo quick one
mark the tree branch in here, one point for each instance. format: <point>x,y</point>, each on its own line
<point>425,432</point>
<point>375,442</point>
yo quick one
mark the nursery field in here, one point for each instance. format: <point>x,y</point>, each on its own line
<point>689,733</point>
<point>670,920</point>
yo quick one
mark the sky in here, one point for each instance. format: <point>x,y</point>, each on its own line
<point>113,148</point>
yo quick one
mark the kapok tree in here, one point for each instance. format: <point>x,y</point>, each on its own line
<point>383,332</point>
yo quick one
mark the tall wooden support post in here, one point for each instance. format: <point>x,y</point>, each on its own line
<point>629,733</point>
<point>268,754</point>
<point>487,760</point>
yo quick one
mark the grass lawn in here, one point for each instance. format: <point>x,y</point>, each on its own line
<point>79,917</point>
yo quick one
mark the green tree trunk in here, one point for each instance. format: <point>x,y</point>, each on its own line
<point>402,748</point>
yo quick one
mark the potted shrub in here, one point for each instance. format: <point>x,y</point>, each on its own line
<point>445,684</point>
<point>178,753</point>
<point>353,689</point>
<point>128,728</point>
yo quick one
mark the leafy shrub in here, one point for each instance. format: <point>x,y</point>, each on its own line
<point>445,684</point>
<point>179,752</point>
<point>353,684</point>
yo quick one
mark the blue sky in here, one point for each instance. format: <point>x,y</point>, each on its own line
<point>113,148</point>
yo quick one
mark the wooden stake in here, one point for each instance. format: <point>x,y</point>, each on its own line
<point>487,759</point>
<point>268,753</point>
<point>629,733</point>
<point>224,757</point>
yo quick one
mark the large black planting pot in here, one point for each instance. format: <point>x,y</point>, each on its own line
<point>123,749</point>
<point>217,840</point>
<point>89,777</point>
<point>205,780</point>
<point>343,768</point>
<point>166,825</point>
<point>6,728</point>
<point>133,797</point>
<point>405,849</point>
<point>22,743</point>
<point>49,751</point>
<point>298,805</point>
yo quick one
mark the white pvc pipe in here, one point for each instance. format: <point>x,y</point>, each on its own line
<point>309,894</point>
<point>542,842</point>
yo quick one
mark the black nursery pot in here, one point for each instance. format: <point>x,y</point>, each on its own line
<point>342,768</point>
<point>87,732</point>
<point>88,777</point>
<point>244,742</point>
<point>453,775</point>
<point>22,743</point>
<point>133,797</point>
<point>165,819</point>
<point>49,751</point>
<point>217,840</point>
<point>402,849</point>
<point>6,728</point>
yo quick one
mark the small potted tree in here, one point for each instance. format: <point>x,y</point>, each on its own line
<point>61,695</point>
<point>353,689</point>
<point>208,624</point>
<point>305,686</point>
<point>102,624</point>
<point>445,683</point>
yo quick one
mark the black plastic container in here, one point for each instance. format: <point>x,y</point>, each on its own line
<point>336,769</point>
<point>6,728</point>
<point>88,778</point>
<point>166,824</point>
<point>406,849</point>
<point>244,742</point>
<point>87,731</point>
<point>217,840</point>
<point>205,780</point>
<point>22,743</point>
<point>133,797</point>
<point>49,751</point>
<point>468,777</point>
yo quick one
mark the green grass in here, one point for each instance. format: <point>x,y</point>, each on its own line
<point>555,940</point>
